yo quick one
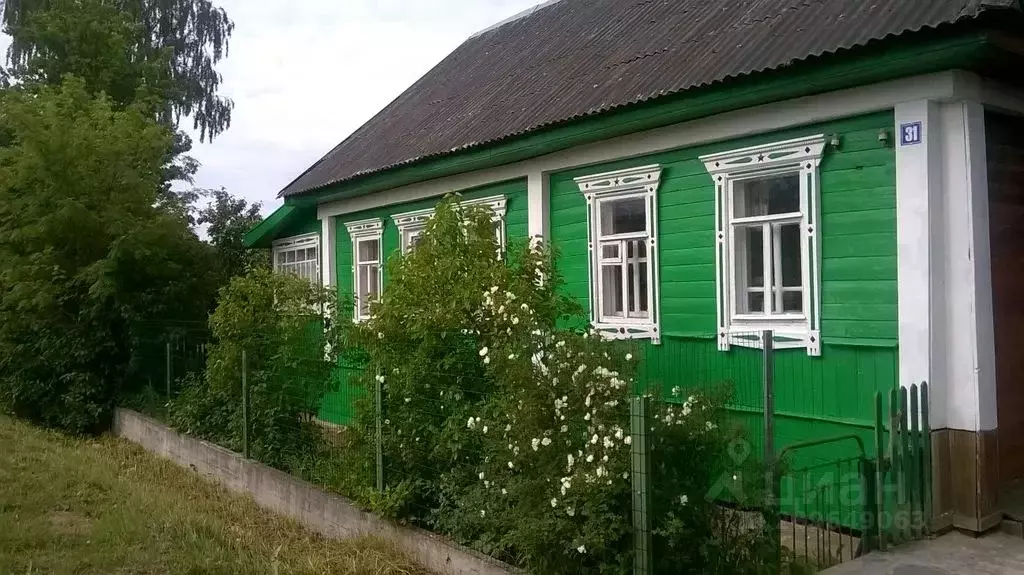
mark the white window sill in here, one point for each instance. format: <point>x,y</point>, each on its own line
<point>629,330</point>
<point>784,336</point>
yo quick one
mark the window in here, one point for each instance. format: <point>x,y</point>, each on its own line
<point>622,234</point>
<point>411,224</point>
<point>366,264</point>
<point>767,254</point>
<point>298,255</point>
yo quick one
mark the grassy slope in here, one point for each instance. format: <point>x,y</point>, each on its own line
<point>106,506</point>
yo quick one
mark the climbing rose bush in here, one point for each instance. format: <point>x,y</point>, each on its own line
<point>506,421</point>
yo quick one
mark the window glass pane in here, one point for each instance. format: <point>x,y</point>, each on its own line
<point>750,256</point>
<point>766,196</point>
<point>793,302</point>
<point>611,285</point>
<point>631,289</point>
<point>289,256</point>
<point>373,275</point>
<point>368,283</point>
<point>642,286</point>
<point>369,250</point>
<point>789,246</point>
<point>623,216</point>
<point>749,261</point>
<point>754,302</point>
<point>610,251</point>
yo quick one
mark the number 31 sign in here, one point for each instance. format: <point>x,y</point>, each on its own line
<point>910,133</point>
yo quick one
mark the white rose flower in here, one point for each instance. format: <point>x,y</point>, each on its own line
<point>581,549</point>
<point>483,351</point>
<point>554,502</point>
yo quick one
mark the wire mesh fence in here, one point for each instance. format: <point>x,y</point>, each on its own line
<point>395,441</point>
<point>165,355</point>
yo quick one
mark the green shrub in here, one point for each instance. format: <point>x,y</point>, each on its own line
<point>508,429</point>
<point>277,320</point>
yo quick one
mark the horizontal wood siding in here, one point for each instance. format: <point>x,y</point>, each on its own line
<point>515,226</point>
<point>858,270</point>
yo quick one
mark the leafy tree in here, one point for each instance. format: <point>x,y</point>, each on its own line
<point>227,219</point>
<point>161,51</point>
<point>156,55</point>
<point>84,251</point>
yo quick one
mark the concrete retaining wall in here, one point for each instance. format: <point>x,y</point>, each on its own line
<point>331,515</point>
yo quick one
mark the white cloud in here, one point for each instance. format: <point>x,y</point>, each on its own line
<point>304,75</point>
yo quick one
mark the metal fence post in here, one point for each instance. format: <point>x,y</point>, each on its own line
<point>769,396</point>
<point>245,405</point>
<point>643,552</point>
<point>869,507</point>
<point>169,376</point>
<point>771,469</point>
<point>378,400</point>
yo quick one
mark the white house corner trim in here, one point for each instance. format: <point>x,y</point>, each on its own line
<point>802,155</point>
<point>328,251</point>
<point>640,181</point>
<point>538,205</point>
<point>918,200</point>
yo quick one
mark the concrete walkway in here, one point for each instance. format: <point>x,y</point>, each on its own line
<point>993,554</point>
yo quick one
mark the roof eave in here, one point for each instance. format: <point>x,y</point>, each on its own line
<point>888,60</point>
<point>266,231</point>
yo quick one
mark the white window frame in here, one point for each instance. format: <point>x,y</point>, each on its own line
<point>640,182</point>
<point>412,224</point>
<point>799,156</point>
<point>293,243</point>
<point>364,231</point>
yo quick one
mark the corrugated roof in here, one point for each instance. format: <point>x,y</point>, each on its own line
<point>574,58</point>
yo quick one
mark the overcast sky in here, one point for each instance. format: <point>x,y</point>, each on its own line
<point>305,74</point>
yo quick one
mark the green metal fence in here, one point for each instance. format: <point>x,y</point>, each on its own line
<point>823,501</point>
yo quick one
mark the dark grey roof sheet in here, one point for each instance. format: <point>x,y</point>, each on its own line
<point>574,58</point>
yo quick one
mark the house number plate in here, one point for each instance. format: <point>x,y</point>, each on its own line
<point>910,133</point>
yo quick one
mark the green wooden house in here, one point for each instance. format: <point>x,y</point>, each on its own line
<point>848,174</point>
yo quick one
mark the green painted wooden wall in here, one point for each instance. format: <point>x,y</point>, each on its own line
<point>815,397</point>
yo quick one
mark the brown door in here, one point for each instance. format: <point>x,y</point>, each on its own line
<point>1005,151</point>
